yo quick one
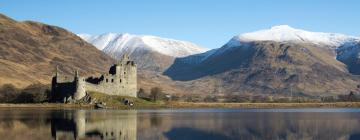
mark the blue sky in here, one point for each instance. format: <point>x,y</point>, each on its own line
<point>209,23</point>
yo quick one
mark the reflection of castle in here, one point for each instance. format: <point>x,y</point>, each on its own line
<point>80,124</point>
<point>121,80</point>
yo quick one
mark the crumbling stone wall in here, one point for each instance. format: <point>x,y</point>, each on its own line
<point>121,80</point>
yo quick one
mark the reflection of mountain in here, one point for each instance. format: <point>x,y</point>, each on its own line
<point>175,125</point>
<point>81,124</point>
<point>193,134</point>
<point>253,126</point>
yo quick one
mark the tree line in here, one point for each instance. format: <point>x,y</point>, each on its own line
<point>35,93</point>
<point>157,94</point>
<point>38,93</point>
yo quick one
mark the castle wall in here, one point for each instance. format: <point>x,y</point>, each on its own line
<point>63,89</point>
<point>124,83</point>
<point>121,80</point>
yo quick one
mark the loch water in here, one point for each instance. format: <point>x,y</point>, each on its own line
<point>180,124</point>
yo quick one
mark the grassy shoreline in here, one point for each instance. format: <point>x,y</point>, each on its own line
<point>189,105</point>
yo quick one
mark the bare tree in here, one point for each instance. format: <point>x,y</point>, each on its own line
<point>155,93</point>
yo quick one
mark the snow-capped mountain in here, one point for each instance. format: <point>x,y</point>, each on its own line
<point>343,46</point>
<point>116,44</point>
<point>284,33</point>
<point>274,60</point>
<point>150,52</point>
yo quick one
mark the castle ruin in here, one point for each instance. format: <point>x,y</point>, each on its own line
<point>121,80</point>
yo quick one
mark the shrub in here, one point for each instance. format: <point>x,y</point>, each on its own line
<point>210,99</point>
<point>8,93</point>
<point>37,92</point>
<point>142,93</point>
<point>236,98</point>
<point>193,98</point>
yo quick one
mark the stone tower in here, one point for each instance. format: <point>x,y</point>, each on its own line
<point>79,86</point>
<point>127,76</point>
<point>120,80</point>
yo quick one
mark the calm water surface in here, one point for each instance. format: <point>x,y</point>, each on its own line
<point>207,124</point>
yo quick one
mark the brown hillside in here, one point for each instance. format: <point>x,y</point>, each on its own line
<point>30,51</point>
<point>271,68</point>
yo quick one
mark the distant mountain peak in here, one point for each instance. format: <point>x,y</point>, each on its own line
<point>285,33</point>
<point>119,42</point>
<point>282,27</point>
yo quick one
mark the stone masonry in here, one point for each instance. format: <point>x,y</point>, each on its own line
<point>120,80</point>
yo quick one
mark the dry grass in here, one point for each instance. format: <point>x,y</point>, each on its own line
<point>44,106</point>
<point>265,105</point>
<point>142,104</point>
<point>30,51</point>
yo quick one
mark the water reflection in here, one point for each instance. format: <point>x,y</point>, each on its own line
<point>82,124</point>
<point>250,125</point>
<point>177,125</point>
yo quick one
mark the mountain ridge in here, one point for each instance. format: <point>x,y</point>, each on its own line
<point>274,65</point>
<point>124,41</point>
<point>31,50</point>
<point>283,33</point>
<point>149,52</point>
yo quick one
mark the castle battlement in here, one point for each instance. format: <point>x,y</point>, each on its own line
<point>120,80</point>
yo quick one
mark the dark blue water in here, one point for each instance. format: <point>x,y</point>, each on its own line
<point>184,124</point>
